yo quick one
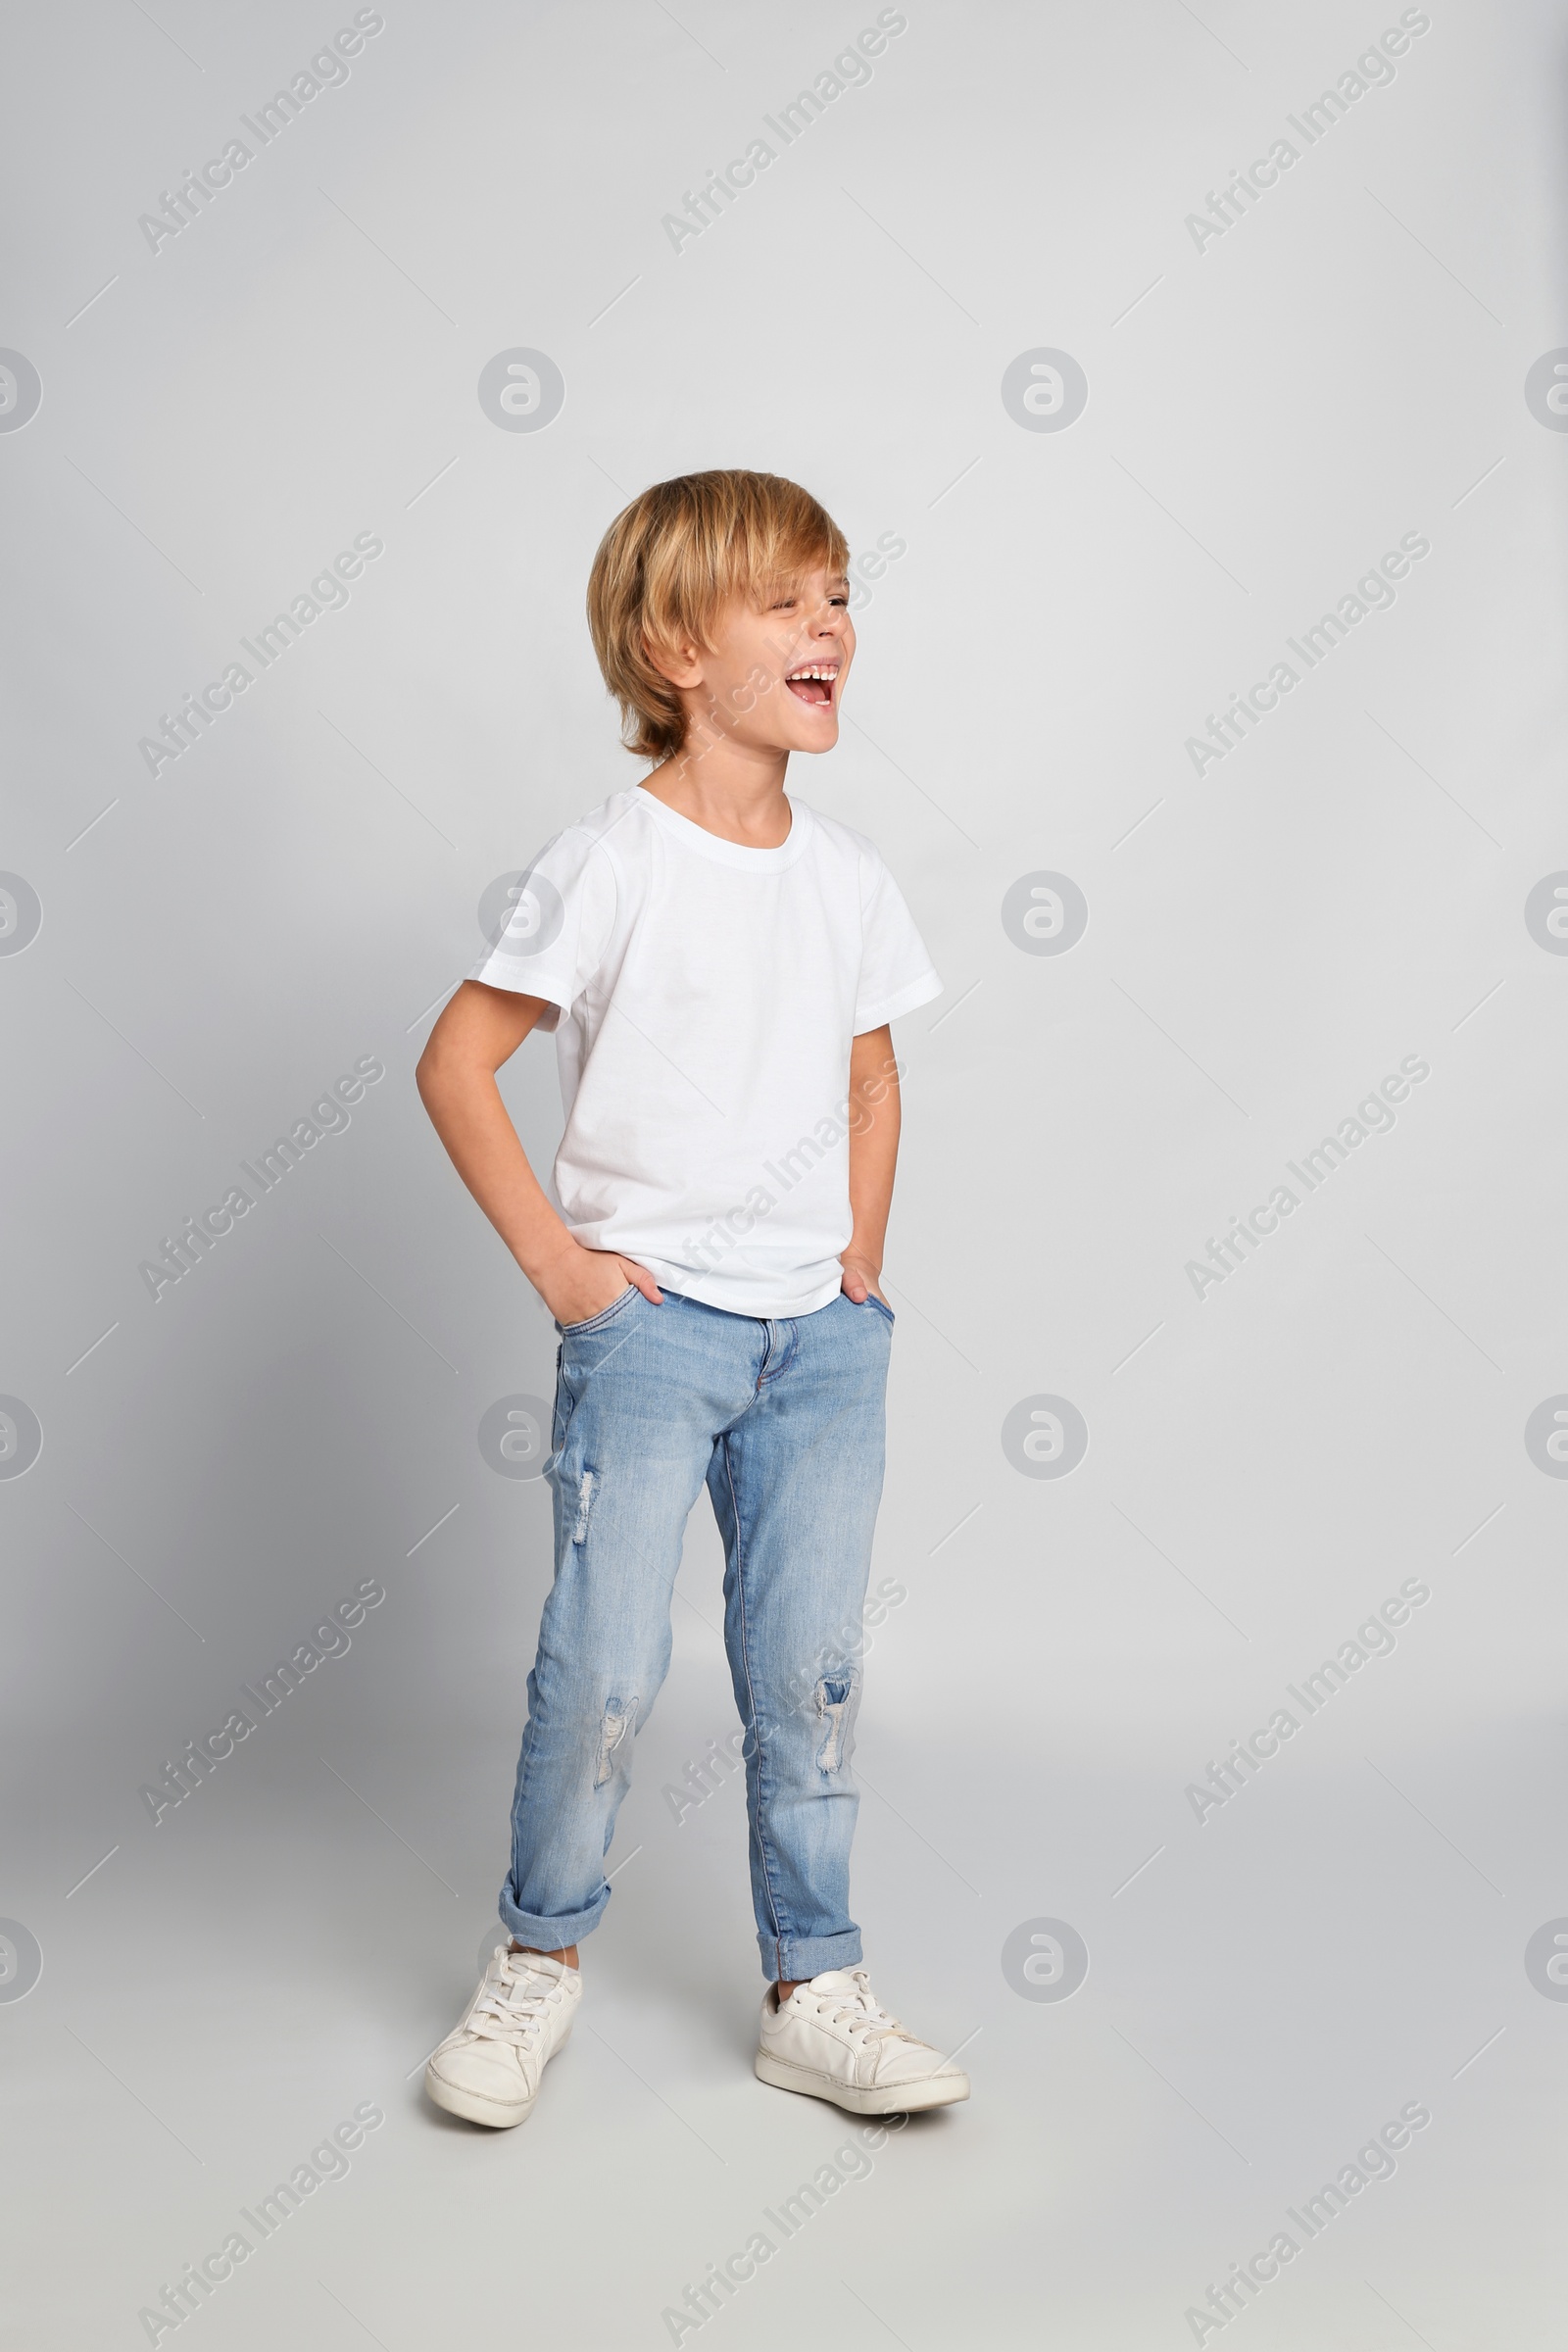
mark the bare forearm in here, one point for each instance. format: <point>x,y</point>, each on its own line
<point>481,1028</point>
<point>874,1120</point>
<point>468,1113</point>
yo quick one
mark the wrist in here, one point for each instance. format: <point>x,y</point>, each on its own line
<point>548,1257</point>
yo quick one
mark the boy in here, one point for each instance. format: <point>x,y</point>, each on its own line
<point>720,967</point>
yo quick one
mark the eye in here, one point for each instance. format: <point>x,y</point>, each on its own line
<point>786,604</point>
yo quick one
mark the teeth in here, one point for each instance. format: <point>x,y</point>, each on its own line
<point>828,675</point>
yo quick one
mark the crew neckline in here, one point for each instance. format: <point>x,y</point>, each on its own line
<point>732,853</point>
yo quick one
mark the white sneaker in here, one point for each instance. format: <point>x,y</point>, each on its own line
<point>488,2067</point>
<point>834,2039</point>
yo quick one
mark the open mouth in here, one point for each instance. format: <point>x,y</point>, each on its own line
<point>814,682</point>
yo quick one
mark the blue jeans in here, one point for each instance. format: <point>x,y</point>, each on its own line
<point>784,1420</point>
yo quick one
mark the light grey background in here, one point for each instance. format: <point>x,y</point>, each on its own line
<point>1266,415</point>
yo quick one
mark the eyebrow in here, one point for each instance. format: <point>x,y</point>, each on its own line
<point>791,584</point>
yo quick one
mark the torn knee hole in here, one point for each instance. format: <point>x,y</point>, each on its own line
<point>585,1504</point>
<point>835,1707</point>
<point>619,1717</point>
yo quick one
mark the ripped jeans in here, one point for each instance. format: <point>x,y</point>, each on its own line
<point>784,1421</point>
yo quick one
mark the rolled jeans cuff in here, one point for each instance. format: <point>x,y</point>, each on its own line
<point>551,1935</point>
<point>792,1959</point>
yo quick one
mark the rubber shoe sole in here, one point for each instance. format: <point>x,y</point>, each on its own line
<point>496,2114</point>
<point>908,2098</point>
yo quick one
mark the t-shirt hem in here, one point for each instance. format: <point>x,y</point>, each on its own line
<point>709,1292</point>
<point>918,992</point>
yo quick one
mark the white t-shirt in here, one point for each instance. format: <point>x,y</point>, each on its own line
<point>706,998</point>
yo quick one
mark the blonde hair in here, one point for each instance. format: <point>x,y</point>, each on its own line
<point>670,563</point>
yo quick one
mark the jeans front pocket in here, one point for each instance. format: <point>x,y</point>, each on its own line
<point>573,1330</point>
<point>881,1306</point>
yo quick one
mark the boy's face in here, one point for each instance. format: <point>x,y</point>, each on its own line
<point>774,676</point>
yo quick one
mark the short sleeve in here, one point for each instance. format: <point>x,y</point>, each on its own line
<point>896,972</point>
<point>562,911</point>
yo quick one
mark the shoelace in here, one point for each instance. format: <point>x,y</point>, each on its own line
<point>864,2015</point>
<point>513,2009</point>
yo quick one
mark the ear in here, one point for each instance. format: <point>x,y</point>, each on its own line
<point>679,662</point>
